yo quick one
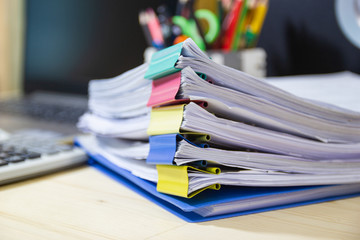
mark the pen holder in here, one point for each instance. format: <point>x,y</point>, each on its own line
<point>251,60</point>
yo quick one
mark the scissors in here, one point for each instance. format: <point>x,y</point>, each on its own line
<point>190,28</point>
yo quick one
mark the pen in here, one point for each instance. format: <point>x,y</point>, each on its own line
<point>226,5</point>
<point>240,28</point>
<point>259,16</point>
<point>231,23</point>
<point>257,22</point>
<point>180,7</point>
<point>219,9</point>
<point>155,29</point>
<point>144,26</point>
<point>166,25</point>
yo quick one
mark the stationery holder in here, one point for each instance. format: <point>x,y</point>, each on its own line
<point>251,61</point>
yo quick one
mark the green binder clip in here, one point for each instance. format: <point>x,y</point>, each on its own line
<point>163,62</point>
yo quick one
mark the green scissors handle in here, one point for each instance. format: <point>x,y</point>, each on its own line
<point>213,22</point>
<point>189,27</point>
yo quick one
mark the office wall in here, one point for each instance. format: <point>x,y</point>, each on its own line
<point>11,46</point>
<point>69,42</point>
<point>304,37</point>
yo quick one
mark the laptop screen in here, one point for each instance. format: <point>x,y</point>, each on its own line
<point>70,42</point>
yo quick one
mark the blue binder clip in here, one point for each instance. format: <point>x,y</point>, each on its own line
<point>163,149</point>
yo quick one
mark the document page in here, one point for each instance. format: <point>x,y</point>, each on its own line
<point>341,89</point>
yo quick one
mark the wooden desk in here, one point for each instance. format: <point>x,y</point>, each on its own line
<point>85,204</point>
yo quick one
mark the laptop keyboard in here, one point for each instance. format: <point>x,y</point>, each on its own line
<point>43,110</point>
<point>29,153</point>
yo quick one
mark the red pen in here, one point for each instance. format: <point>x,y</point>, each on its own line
<point>155,29</point>
<point>230,24</point>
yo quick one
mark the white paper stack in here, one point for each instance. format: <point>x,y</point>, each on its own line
<point>263,132</point>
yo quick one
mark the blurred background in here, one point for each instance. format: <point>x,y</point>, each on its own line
<point>62,44</point>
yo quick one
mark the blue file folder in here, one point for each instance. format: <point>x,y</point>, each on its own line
<point>186,208</point>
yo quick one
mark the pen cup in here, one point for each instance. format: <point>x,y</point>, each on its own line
<point>251,61</point>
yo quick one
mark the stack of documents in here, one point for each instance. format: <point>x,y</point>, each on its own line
<point>182,124</point>
<point>117,106</point>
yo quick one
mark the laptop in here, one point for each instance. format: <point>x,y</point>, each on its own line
<point>66,44</point>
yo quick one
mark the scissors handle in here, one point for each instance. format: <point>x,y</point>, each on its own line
<point>213,22</point>
<point>190,29</point>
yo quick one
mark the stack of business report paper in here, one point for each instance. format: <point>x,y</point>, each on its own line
<point>117,106</point>
<point>206,141</point>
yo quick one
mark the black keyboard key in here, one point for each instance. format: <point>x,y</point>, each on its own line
<point>8,149</point>
<point>43,110</point>
<point>50,151</point>
<point>64,147</point>
<point>32,155</point>
<point>15,159</point>
<point>3,163</point>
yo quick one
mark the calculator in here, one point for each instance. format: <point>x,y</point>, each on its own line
<point>33,152</point>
